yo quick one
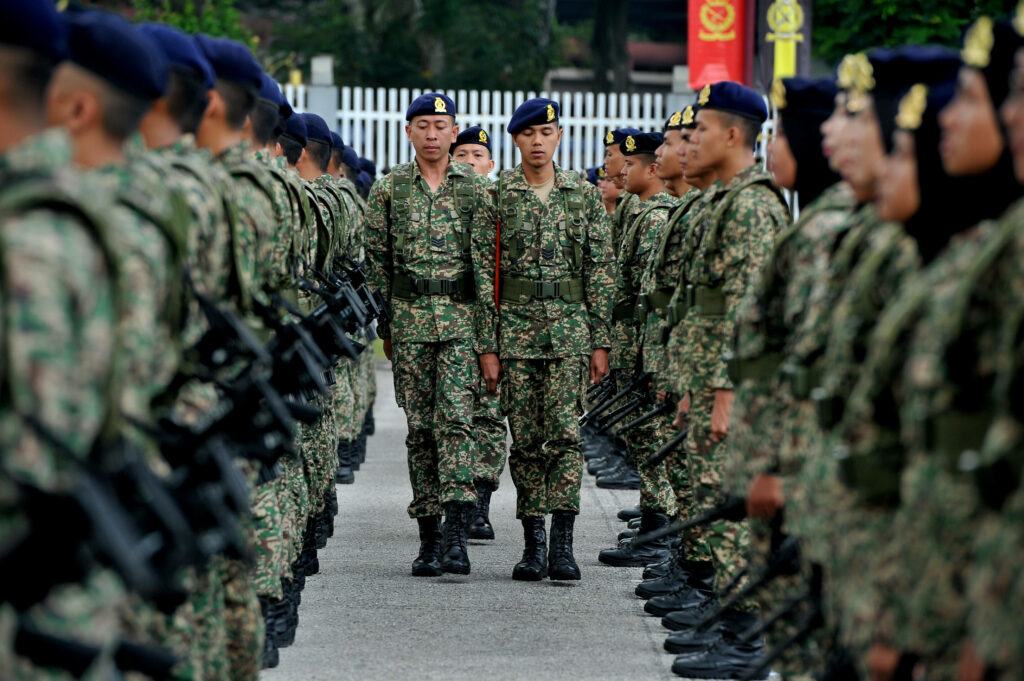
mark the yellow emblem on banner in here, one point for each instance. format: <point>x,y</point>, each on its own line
<point>785,19</point>
<point>551,112</point>
<point>483,137</point>
<point>717,18</point>
<point>978,42</point>
<point>688,116</point>
<point>609,138</point>
<point>440,106</point>
<point>675,118</point>
<point>630,143</point>
<point>911,108</point>
<point>778,94</point>
<point>705,95</point>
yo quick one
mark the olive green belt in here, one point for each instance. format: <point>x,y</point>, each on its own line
<point>462,289</point>
<point>652,302</point>
<point>522,290</point>
<point>757,368</point>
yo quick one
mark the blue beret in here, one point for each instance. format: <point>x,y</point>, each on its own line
<point>363,180</point>
<point>805,97</point>
<point>430,104</point>
<point>108,46</point>
<point>179,50</point>
<point>894,70</point>
<point>991,47</point>
<point>231,60</point>
<point>33,25</point>
<point>644,143</point>
<point>592,176</point>
<point>473,135</point>
<point>733,98</point>
<point>316,128</point>
<point>368,166</point>
<point>271,91</point>
<point>295,128</point>
<point>336,141</point>
<point>617,135</point>
<point>536,111</point>
<point>350,158</point>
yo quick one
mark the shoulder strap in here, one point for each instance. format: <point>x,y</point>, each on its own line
<point>401,207</point>
<point>575,221</point>
<point>676,217</point>
<point>462,187</point>
<point>510,214</point>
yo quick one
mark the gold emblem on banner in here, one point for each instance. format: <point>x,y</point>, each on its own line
<point>717,18</point>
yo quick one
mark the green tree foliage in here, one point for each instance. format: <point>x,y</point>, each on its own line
<point>844,26</point>
<point>213,17</point>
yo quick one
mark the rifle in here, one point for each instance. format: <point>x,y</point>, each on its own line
<point>638,380</point>
<point>733,508</point>
<point>670,446</point>
<point>661,408</point>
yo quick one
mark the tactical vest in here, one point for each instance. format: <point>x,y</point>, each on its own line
<point>299,246</point>
<point>626,310</point>
<point>518,289</point>
<point>657,301</point>
<point>403,285</point>
<point>258,175</point>
<point>41,193</point>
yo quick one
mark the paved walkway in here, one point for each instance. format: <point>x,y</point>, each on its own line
<point>365,618</point>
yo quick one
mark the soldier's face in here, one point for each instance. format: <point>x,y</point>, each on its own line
<point>537,144</point>
<point>707,143</point>
<point>609,190</point>
<point>476,156</point>
<point>781,163</point>
<point>898,192</point>
<point>666,158</point>
<point>637,174</point>
<point>432,136</point>
<point>971,141</point>
<point>832,128</point>
<point>1012,113</point>
<point>859,152</point>
<point>614,162</point>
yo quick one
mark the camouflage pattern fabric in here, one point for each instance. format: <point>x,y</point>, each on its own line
<point>243,623</point>
<point>627,207</point>
<point>491,435</point>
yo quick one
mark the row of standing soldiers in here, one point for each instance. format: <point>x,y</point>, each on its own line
<point>183,317</point>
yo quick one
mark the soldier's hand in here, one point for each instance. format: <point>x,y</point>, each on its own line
<point>682,411</point>
<point>882,661</point>
<point>765,498</point>
<point>490,367</point>
<point>388,351</point>
<point>598,365</point>
<point>971,667</point>
<point>721,414</point>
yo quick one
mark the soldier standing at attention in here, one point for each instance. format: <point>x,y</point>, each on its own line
<point>557,288</point>
<point>473,146</point>
<point>610,192</point>
<point>430,235</point>
<point>626,206</point>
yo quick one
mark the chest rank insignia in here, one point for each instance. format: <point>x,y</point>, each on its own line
<point>705,95</point>
<point>911,107</point>
<point>778,94</point>
<point>609,138</point>
<point>674,120</point>
<point>630,143</point>
<point>977,50</point>
<point>440,106</point>
<point>688,115</point>
<point>483,137</point>
<point>551,113</point>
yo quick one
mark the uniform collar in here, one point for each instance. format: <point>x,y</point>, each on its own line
<point>43,153</point>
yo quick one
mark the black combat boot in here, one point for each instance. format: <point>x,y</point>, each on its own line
<point>534,565</point>
<point>621,476</point>
<point>369,424</point>
<point>698,587</point>
<point>321,529</point>
<point>640,555</point>
<point>627,514</point>
<point>455,558</point>
<point>360,450</point>
<point>428,563</point>
<point>561,562</point>
<point>310,563</point>
<point>728,657</point>
<point>287,618</point>
<point>680,572</point>
<point>732,625</point>
<point>344,474</point>
<point>481,528</point>
<point>270,657</point>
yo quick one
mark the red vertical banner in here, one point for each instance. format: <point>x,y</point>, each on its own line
<point>717,35</point>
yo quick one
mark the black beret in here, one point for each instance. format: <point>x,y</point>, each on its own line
<point>644,143</point>
<point>990,46</point>
<point>618,134</point>
<point>231,60</point>
<point>473,135</point>
<point>368,166</point>
<point>109,47</point>
<point>179,49</point>
<point>364,180</point>
<point>536,111</point>
<point>431,104</point>
<point>33,25</point>
<point>805,97</point>
<point>316,128</point>
<point>733,98</point>
<point>295,128</point>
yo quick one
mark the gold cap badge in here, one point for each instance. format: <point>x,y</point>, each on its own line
<point>440,106</point>
<point>978,42</point>
<point>778,94</point>
<point>705,95</point>
<point>1018,18</point>
<point>600,172</point>
<point>551,113</point>
<point>688,115</point>
<point>483,137</point>
<point>911,108</point>
<point>630,143</point>
<point>609,138</point>
<point>856,76</point>
<point>675,118</point>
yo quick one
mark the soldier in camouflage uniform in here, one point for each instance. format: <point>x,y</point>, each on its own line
<point>473,146</point>
<point>556,291</point>
<point>638,241</point>
<point>430,235</point>
<point>723,254</point>
<point>626,205</point>
<point>59,298</point>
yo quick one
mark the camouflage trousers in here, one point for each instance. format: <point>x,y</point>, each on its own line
<point>243,622</point>
<point>345,400</point>
<point>436,385</point>
<point>268,540</point>
<point>294,501</point>
<point>543,401</point>
<point>656,493</point>
<point>724,542</point>
<point>209,634</point>
<point>491,436</point>
<point>320,453</point>
<point>370,369</point>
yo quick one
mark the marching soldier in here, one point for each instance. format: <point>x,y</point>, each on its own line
<point>556,291</point>
<point>430,235</point>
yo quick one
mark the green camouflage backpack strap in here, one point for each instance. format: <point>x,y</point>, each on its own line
<point>575,223</point>
<point>301,202</point>
<point>465,195</point>
<point>676,217</point>
<point>340,215</point>
<point>400,212</point>
<point>511,217</point>
<point>258,175</point>
<point>44,194</point>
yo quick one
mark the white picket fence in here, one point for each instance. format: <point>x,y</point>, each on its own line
<point>372,120</point>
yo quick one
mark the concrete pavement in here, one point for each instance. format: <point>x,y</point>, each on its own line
<point>365,618</point>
